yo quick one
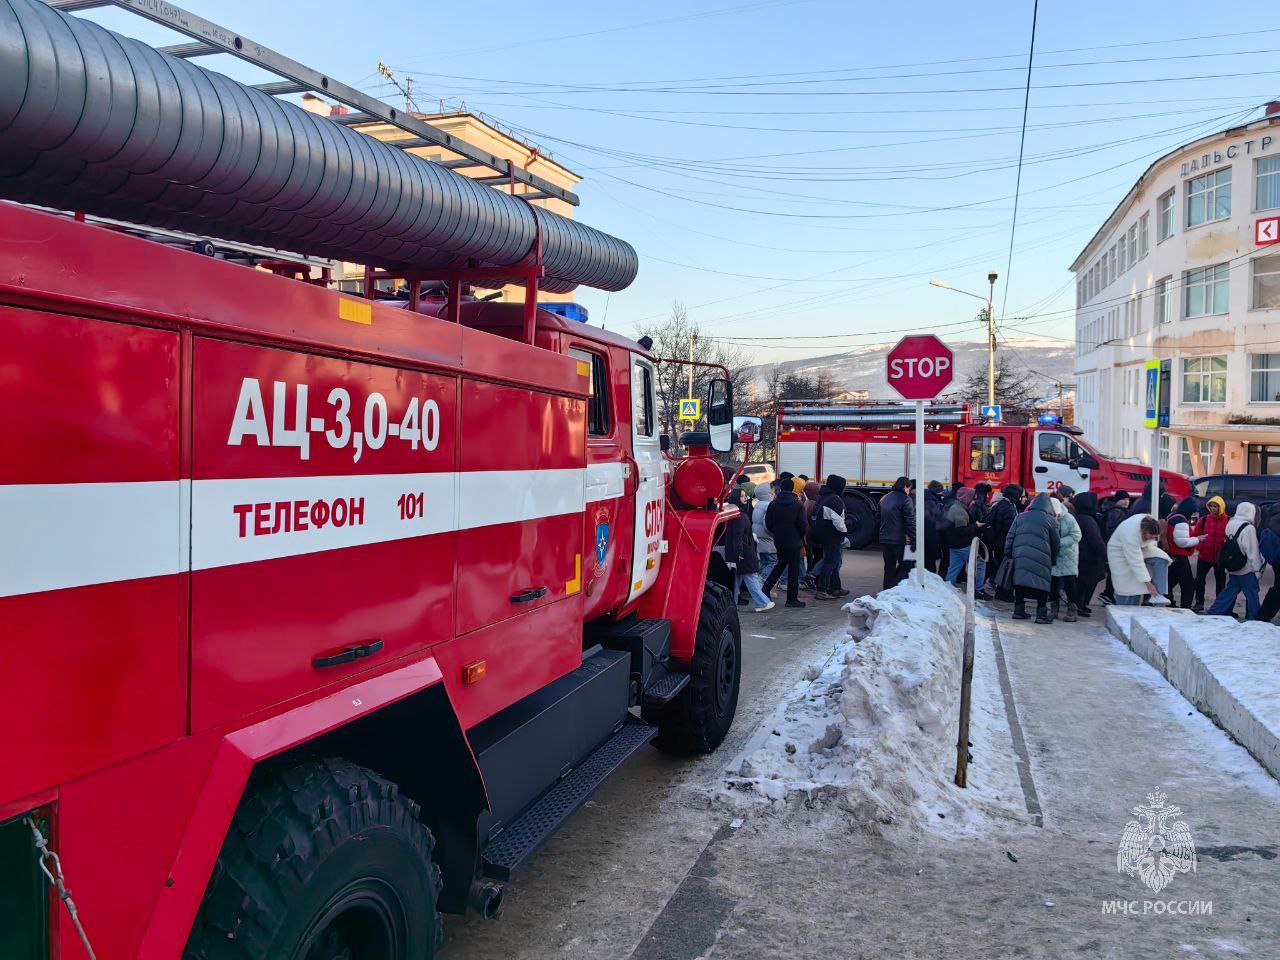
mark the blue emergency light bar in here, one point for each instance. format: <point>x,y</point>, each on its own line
<point>570,311</point>
<point>1050,420</point>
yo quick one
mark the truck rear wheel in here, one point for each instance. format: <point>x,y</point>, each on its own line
<point>700,717</point>
<point>863,530</point>
<point>324,860</point>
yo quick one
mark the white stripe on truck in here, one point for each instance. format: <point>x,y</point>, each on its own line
<point>57,536</point>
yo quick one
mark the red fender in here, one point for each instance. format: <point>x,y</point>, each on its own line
<point>223,786</point>
<point>677,594</point>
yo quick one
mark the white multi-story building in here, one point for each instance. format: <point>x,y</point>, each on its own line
<point>1176,273</point>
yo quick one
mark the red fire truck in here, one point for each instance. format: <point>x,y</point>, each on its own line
<point>319,611</point>
<point>872,444</point>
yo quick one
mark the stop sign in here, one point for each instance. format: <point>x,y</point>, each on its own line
<point>920,367</point>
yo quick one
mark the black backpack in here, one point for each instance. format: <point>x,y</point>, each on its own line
<point>1231,556</point>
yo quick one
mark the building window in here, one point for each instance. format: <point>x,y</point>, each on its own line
<point>1264,377</point>
<point>1209,197</point>
<point>1264,459</point>
<point>1164,217</point>
<point>1112,272</point>
<point>1121,250</point>
<point>986,454</point>
<point>1133,245</point>
<point>1144,240</point>
<point>1204,380</point>
<point>1267,188</point>
<point>1164,300</point>
<point>1207,291</point>
<point>1266,282</point>
<point>1164,451</point>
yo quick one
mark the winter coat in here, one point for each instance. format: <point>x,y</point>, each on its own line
<point>1143,504</point>
<point>764,539</point>
<point>1033,542</point>
<point>1093,549</point>
<point>1069,536</point>
<point>1113,516</point>
<point>1242,524</point>
<point>830,523</point>
<point>1180,539</point>
<point>740,545</point>
<point>959,528</point>
<point>1003,512</point>
<point>1212,531</point>
<point>897,518</point>
<point>785,520</point>
<point>934,520</point>
<point>1269,541</point>
<point>1125,558</point>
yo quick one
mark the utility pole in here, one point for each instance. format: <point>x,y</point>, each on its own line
<point>406,89</point>
<point>991,338</point>
<point>693,339</point>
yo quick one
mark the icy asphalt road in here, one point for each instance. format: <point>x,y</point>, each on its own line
<point>651,871</point>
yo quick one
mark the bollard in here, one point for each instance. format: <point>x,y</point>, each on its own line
<point>966,673</point>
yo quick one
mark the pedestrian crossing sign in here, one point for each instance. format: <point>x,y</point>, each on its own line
<point>690,409</point>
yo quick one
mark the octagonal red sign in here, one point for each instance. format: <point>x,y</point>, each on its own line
<point>920,367</point>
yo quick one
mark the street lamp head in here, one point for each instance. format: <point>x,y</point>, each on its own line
<point>939,283</point>
<point>992,277</point>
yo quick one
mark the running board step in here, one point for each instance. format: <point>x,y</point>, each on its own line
<point>664,686</point>
<point>518,839</point>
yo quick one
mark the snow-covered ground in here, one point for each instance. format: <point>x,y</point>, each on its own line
<point>870,733</point>
<point>1229,671</point>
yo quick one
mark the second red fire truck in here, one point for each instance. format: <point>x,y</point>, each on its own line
<point>872,444</point>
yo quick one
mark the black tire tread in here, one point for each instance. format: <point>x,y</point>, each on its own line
<point>289,819</point>
<point>688,724</point>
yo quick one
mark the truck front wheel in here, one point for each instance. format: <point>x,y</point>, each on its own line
<point>324,859</point>
<point>700,717</point>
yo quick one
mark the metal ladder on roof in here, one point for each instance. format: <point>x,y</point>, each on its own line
<point>209,38</point>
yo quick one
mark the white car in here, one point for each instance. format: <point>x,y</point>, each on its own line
<point>758,472</point>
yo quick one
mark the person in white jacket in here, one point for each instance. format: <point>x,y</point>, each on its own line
<point>1126,558</point>
<point>767,549</point>
<point>1244,580</point>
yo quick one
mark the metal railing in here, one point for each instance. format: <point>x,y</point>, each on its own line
<point>966,673</point>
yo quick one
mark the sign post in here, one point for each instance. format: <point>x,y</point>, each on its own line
<point>920,368</point>
<point>1152,422</point>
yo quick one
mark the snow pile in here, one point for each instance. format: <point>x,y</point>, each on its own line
<point>1231,672</point>
<point>871,733</point>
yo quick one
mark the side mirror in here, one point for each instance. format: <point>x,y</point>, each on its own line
<point>720,415</point>
<point>1089,462</point>
<point>748,429</point>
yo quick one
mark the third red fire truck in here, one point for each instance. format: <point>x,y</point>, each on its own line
<point>872,444</point>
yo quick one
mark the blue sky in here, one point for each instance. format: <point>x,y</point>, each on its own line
<point>802,168</point>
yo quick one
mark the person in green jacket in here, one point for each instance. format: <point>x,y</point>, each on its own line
<point>1067,567</point>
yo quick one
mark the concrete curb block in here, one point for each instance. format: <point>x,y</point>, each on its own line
<point>1147,644</point>
<point>1212,667</point>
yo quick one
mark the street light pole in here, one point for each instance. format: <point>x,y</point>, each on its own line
<point>991,327</point>
<point>991,339</point>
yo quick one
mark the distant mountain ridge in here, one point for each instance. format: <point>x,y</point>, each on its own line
<point>1050,361</point>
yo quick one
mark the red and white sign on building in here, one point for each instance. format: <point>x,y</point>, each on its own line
<point>920,367</point>
<point>1266,230</point>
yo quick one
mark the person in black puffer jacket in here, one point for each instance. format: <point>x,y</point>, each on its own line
<point>1093,551</point>
<point>829,531</point>
<point>1000,518</point>
<point>935,513</point>
<point>897,528</point>
<point>1033,542</point>
<point>785,520</point>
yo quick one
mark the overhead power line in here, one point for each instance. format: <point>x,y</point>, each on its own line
<point>1022,143</point>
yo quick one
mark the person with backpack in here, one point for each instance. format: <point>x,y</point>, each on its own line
<point>1180,543</point>
<point>829,529</point>
<point>1269,547</point>
<point>1211,530</point>
<point>1242,560</point>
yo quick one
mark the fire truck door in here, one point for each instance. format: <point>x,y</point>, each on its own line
<point>1057,461</point>
<point>646,449</point>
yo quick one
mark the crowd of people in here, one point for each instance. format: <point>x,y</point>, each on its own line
<point>793,527</point>
<point>1063,551</point>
